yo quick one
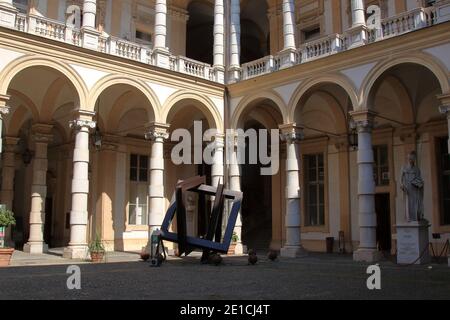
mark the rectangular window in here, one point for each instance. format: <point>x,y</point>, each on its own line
<point>143,37</point>
<point>381,166</point>
<point>315,190</point>
<point>444,180</point>
<point>138,204</point>
<point>311,34</point>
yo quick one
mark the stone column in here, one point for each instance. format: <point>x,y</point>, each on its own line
<point>78,246</point>
<point>358,13</point>
<point>219,40</point>
<point>6,3</point>
<point>217,167</point>
<point>158,133</point>
<point>89,13</point>
<point>8,14</point>
<point>4,110</point>
<point>8,173</point>
<point>358,34</point>
<point>292,135</point>
<point>235,185</point>
<point>160,24</point>
<point>289,53</point>
<point>289,24</point>
<point>161,54</point>
<point>235,42</point>
<point>445,109</point>
<point>90,33</point>
<point>42,136</point>
<point>367,251</point>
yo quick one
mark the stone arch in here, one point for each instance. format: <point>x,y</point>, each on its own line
<point>23,63</point>
<point>118,111</point>
<point>247,101</point>
<point>48,104</point>
<point>112,80</point>
<point>206,106</point>
<point>16,121</point>
<point>34,110</point>
<point>407,108</point>
<point>336,113</point>
<point>421,59</point>
<point>305,87</point>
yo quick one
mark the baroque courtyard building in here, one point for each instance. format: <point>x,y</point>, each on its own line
<point>90,91</point>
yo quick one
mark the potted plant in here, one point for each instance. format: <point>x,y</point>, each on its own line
<point>97,250</point>
<point>6,220</point>
<point>234,241</point>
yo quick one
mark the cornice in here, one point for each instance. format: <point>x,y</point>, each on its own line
<point>392,47</point>
<point>28,43</point>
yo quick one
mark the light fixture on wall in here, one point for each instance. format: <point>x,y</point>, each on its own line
<point>97,138</point>
<point>353,135</point>
<point>27,156</point>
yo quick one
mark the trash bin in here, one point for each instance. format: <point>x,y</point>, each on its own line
<point>330,245</point>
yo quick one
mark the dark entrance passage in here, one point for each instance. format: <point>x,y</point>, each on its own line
<point>384,233</point>
<point>257,205</point>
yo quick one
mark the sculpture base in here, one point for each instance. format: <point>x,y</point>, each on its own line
<point>413,243</point>
<point>293,252</point>
<point>367,255</point>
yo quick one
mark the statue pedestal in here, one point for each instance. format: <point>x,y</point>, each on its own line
<point>413,242</point>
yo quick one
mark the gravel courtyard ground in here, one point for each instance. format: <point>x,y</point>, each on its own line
<point>314,277</point>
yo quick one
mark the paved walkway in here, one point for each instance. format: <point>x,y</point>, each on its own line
<point>54,257</point>
<point>315,277</point>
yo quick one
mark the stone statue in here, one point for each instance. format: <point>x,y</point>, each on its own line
<point>412,185</point>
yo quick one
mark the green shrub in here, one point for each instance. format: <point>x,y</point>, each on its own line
<point>96,246</point>
<point>7,218</point>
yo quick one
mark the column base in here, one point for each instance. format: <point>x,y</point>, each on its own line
<point>8,16</point>
<point>219,74</point>
<point>293,252</point>
<point>161,58</point>
<point>76,253</point>
<point>288,58</point>
<point>234,74</point>
<point>90,38</point>
<point>367,255</point>
<point>35,248</point>
<point>358,36</point>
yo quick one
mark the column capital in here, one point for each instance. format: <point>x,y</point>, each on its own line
<point>219,139</point>
<point>10,143</point>
<point>42,133</point>
<point>156,131</point>
<point>83,119</point>
<point>4,108</point>
<point>291,133</point>
<point>364,119</point>
<point>444,99</point>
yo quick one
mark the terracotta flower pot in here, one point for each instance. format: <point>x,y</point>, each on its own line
<point>5,257</point>
<point>232,249</point>
<point>97,257</point>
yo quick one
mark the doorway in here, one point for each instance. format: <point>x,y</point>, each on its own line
<point>384,231</point>
<point>257,202</point>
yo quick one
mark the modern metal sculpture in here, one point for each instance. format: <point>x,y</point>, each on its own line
<point>212,241</point>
